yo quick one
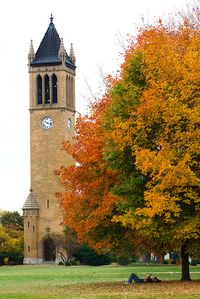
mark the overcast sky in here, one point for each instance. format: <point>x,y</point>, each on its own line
<point>94,27</point>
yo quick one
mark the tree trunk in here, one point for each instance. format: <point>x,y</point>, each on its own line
<point>185,262</point>
<point>64,259</point>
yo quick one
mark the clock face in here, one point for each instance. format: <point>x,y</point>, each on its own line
<point>47,122</point>
<point>69,123</point>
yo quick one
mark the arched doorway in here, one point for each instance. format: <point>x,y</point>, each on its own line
<point>49,250</point>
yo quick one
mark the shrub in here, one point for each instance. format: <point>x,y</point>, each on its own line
<point>86,255</point>
<point>194,262</point>
<point>11,258</point>
<point>1,260</point>
<point>6,260</point>
<point>124,260</point>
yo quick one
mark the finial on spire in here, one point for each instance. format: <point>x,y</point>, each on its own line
<point>31,54</point>
<point>72,56</point>
<point>62,52</point>
<point>51,18</point>
<point>31,51</point>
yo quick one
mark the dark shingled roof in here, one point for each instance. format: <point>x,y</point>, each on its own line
<point>47,53</point>
<point>30,203</point>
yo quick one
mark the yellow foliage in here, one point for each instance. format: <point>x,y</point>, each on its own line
<point>163,128</point>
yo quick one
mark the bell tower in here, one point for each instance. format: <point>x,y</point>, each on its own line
<point>52,120</point>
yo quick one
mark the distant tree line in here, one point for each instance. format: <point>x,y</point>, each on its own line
<point>11,238</point>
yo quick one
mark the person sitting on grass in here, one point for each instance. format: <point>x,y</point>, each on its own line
<point>136,279</point>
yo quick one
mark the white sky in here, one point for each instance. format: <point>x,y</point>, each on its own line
<point>93,27</point>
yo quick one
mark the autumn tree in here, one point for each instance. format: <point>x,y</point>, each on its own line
<point>167,142</point>
<point>87,201</point>
<point>136,173</point>
<point>155,112</point>
<point>6,243</point>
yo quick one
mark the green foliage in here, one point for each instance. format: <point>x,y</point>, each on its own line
<point>8,243</point>
<point>134,71</point>
<point>125,96</point>
<point>194,262</point>
<point>11,258</point>
<point>123,260</point>
<point>11,219</point>
<point>11,238</point>
<point>88,256</point>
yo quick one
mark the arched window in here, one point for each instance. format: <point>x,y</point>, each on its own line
<point>47,91</point>
<point>39,90</point>
<point>54,89</point>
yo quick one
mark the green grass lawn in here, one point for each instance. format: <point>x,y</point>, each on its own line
<point>48,281</point>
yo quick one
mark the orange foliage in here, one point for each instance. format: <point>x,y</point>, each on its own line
<point>151,112</point>
<point>87,200</point>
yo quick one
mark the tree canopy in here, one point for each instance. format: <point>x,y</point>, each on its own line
<point>155,112</point>
<point>137,154</point>
<point>11,219</point>
<point>11,237</point>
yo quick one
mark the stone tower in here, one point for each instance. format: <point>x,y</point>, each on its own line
<point>52,119</point>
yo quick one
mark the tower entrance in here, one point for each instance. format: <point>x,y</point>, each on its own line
<point>49,250</point>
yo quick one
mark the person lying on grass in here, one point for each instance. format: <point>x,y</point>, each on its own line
<point>136,279</point>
